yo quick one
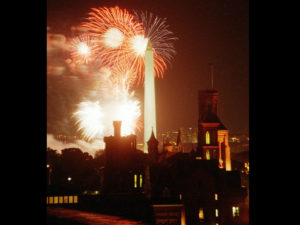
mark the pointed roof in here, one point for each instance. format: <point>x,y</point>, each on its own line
<point>152,138</point>
<point>211,118</point>
<point>222,127</point>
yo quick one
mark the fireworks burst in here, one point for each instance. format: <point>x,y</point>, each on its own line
<point>82,49</point>
<point>157,31</point>
<point>123,39</point>
<point>90,119</point>
<point>95,120</point>
<point>111,27</point>
<point>119,40</point>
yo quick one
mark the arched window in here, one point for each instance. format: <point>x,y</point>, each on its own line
<point>207,138</point>
<point>201,214</point>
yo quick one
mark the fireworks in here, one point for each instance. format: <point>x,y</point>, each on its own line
<point>161,39</point>
<point>95,120</point>
<point>82,49</point>
<point>112,28</point>
<point>89,114</point>
<point>123,38</point>
<point>118,40</point>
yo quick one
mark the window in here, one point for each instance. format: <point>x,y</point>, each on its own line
<point>217,213</point>
<point>141,180</point>
<point>66,199</point>
<point>207,154</point>
<point>70,199</point>
<point>235,211</point>
<point>201,214</point>
<point>55,199</point>
<point>216,196</point>
<point>51,200</point>
<point>135,181</point>
<point>207,138</point>
<point>75,199</point>
<point>60,199</point>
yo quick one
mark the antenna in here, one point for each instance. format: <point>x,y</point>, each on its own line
<point>212,75</point>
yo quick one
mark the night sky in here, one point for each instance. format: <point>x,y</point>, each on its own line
<point>208,31</point>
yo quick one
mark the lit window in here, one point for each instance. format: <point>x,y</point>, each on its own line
<point>207,138</point>
<point>135,181</point>
<point>65,199</point>
<point>70,199</point>
<point>55,199</point>
<point>75,199</point>
<point>201,214</point>
<point>207,154</point>
<point>141,180</point>
<point>217,213</point>
<point>50,200</point>
<point>60,199</point>
<point>216,196</point>
<point>235,211</point>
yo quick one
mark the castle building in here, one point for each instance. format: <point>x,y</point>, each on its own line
<point>196,187</point>
<point>212,134</point>
<point>124,164</point>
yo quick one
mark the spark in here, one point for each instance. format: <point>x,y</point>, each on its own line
<point>90,119</point>
<point>139,44</point>
<point>113,37</point>
<point>82,48</point>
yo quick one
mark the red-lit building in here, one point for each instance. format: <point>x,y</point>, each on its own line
<point>213,136</point>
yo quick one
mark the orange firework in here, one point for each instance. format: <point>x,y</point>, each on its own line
<point>82,49</point>
<point>110,28</point>
<point>121,40</point>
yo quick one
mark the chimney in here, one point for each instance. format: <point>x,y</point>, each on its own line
<point>117,128</point>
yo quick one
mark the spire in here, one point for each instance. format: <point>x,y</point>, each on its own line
<point>152,138</point>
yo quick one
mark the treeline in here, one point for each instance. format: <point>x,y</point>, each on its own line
<point>74,170</point>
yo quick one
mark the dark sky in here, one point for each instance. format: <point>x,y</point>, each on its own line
<point>209,31</point>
